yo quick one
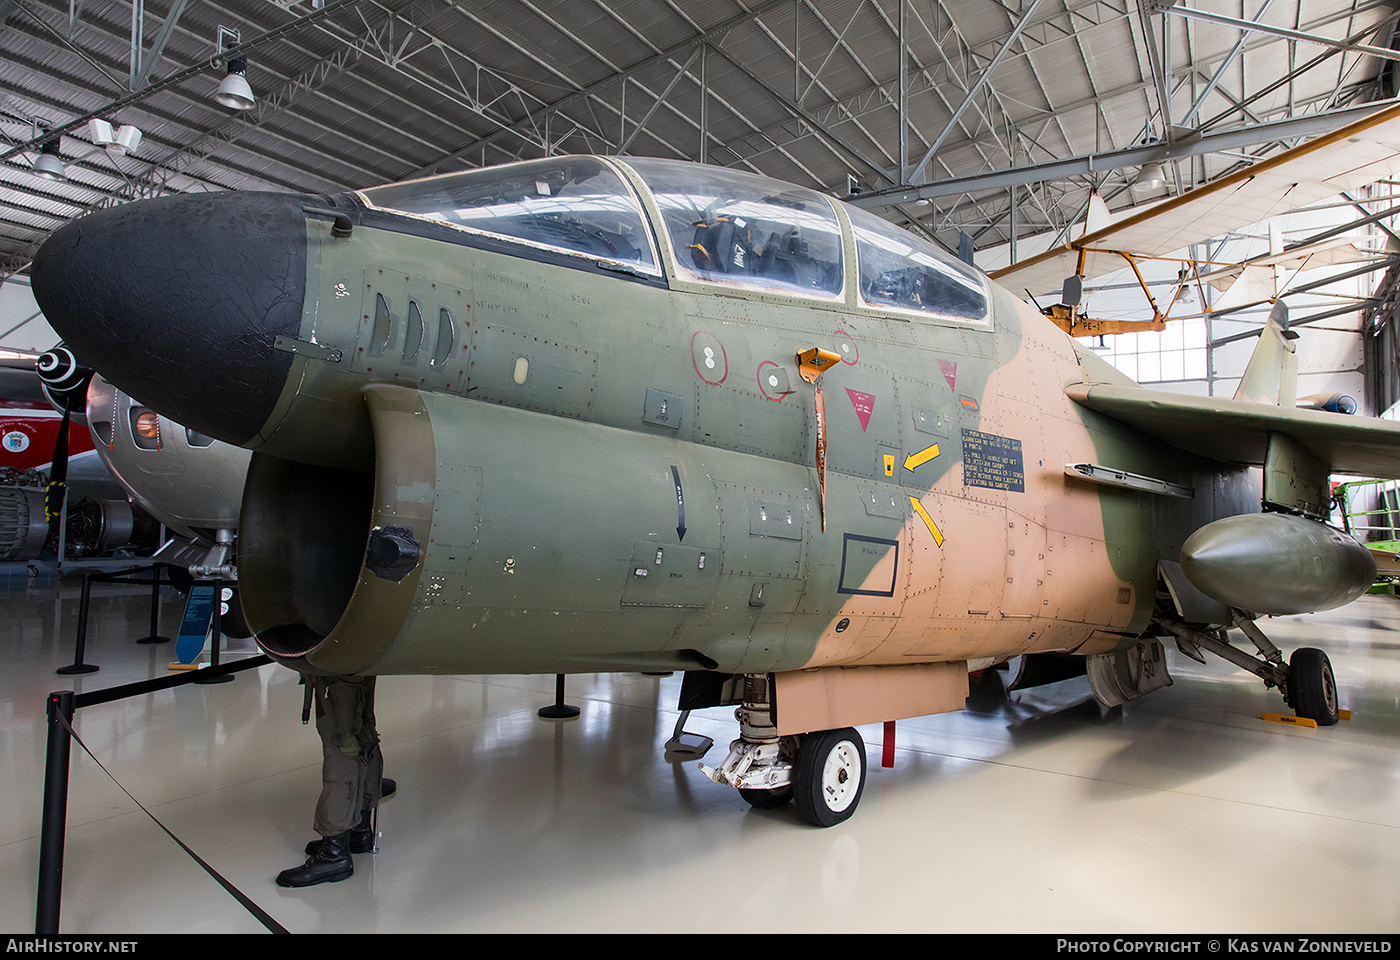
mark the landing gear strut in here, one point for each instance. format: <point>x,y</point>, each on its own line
<point>1306,682</point>
<point>822,773</point>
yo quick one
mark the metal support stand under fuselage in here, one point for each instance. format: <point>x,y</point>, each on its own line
<point>559,710</point>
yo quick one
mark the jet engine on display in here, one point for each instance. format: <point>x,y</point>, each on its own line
<point>588,414</point>
<point>50,475</point>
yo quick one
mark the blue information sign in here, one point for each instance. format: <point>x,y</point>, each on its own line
<point>194,628</point>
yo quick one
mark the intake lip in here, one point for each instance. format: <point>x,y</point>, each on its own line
<point>178,301</point>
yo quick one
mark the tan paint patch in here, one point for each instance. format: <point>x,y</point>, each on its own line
<point>999,572</point>
<point>825,699</point>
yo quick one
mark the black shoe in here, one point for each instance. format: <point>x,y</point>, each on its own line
<point>331,862</point>
<point>361,837</point>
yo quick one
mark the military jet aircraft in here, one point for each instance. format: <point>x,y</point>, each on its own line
<point>597,414</point>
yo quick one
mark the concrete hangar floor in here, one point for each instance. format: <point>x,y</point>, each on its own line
<point>1030,812</point>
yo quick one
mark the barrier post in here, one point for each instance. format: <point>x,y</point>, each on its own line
<point>154,636</point>
<point>80,648</point>
<point>55,817</point>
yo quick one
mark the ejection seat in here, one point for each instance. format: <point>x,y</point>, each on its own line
<point>787,260</point>
<point>723,245</point>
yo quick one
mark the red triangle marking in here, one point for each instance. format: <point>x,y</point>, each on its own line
<point>950,373</point>
<point>864,404</point>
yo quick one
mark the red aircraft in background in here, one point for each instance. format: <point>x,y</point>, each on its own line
<point>29,433</point>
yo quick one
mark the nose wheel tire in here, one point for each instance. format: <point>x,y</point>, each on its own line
<point>766,799</point>
<point>1312,689</point>
<point>829,776</point>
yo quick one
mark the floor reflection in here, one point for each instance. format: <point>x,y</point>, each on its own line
<point>1161,815</point>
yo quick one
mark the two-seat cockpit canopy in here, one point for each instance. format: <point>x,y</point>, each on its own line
<point>709,225</point>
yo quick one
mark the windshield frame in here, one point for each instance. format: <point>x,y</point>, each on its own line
<point>644,223</point>
<point>921,253</point>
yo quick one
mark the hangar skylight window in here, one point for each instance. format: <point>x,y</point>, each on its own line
<point>578,205</point>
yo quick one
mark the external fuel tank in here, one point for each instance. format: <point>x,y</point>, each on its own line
<point>1277,564</point>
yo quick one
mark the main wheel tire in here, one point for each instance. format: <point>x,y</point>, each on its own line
<point>766,799</point>
<point>829,776</point>
<point>1012,672</point>
<point>1312,689</point>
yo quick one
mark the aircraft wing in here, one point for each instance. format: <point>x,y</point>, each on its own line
<point>1345,159</point>
<point>1237,431</point>
<point>1387,561</point>
<point>1324,253</point>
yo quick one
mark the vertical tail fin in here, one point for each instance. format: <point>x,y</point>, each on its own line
<point>1271,375</point>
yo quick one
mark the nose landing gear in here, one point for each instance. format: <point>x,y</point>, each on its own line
<point>822,773</point>
<point>1312,689</point>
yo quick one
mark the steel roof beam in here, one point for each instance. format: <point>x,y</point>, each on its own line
<point>534,117</point>
<point>153,136</point>
<point>180,76</point>
<point>834,140</point>
<point>1224,65</point>
<point>1006,46</point>
<point>1127,157</point>
<point>1349,45</point>
<point>143,61</point>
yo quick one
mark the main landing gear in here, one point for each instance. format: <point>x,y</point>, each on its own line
<point>1306,682</point>
<point>1312,689</point>
<point>822,773</point>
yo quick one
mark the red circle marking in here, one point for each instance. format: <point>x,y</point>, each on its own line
<point>723,356</point>
<point>838,337</point>
<point>764,387</point>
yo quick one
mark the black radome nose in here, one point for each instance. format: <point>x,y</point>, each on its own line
<point>178,302</point>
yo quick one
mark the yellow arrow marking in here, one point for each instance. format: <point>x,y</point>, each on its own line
<point>928,521</point>
<point>920,458</point>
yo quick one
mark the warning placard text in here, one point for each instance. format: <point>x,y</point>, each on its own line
<point>992,461</point>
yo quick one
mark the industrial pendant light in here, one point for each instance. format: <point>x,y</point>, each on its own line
<point>1149,178</point>
<point>49,164</point>
<point>234,91</point>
